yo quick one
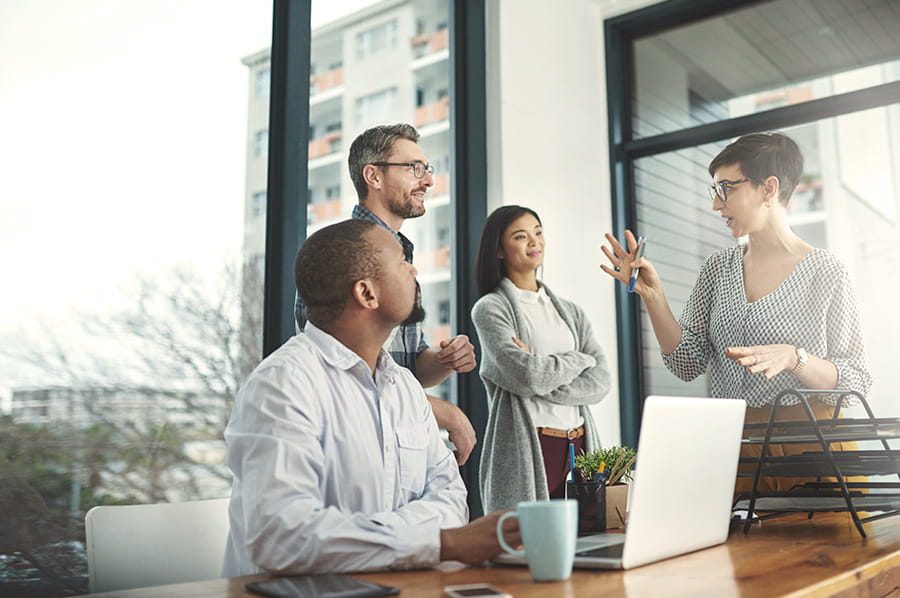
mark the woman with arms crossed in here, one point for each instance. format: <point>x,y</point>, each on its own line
<point>540,364</point>
<point>764,316</point>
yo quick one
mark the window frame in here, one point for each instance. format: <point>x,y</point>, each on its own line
<point>288,175</point>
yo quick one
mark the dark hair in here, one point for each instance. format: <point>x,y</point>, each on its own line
<point>761,155</point>
<point>374,145</point>
<point>490,269</point>
<point>329,263</point>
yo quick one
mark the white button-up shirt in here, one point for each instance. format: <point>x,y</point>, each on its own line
<point>548,334</point>
<point>335,470</point>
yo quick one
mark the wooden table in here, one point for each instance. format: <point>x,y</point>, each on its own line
<point>787,556</point>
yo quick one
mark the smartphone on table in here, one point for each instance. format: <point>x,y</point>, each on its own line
<point>477,590</point>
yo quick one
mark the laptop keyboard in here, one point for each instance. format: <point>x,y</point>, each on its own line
<point>612,552</point>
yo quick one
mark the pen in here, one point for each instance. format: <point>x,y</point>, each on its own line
<point>572,460</point>
<point>642,242</point>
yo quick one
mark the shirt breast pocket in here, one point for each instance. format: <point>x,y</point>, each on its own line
<point>412,447</point>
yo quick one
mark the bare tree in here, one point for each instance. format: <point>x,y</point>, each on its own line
<point>160,373</point>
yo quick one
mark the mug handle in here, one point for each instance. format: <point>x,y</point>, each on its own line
<point>500,539</point>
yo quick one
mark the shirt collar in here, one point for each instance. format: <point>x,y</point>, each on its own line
<point>362,213</point>
<point>525,296</point>
<point>338,355</point>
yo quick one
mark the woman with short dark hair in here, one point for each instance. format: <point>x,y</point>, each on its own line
<point>764,316</point>
<point>540,364</point>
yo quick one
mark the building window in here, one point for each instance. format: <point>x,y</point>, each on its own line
<point>443,236</point>
<point>374,40</point>
<point>263,79</point>
<point>444,312</point>
<point>258,203</point>
<point>261,143</point>
<point>375,108</point>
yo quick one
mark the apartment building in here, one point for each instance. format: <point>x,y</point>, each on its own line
<point>386,63</point>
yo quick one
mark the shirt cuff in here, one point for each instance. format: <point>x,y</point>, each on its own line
<point>416,546</point>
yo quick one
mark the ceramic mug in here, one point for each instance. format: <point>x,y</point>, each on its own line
<point>548,531</point>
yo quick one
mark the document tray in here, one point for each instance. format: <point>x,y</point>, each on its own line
<point>824,484</point>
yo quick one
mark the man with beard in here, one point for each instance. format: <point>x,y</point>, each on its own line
<point>338,463</point>
<point>391,177</point>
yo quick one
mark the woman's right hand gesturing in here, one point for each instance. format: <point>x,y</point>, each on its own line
<point>648,286</point>
<point>623,259</point>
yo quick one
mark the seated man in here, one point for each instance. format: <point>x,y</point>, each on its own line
<point>338,464</point>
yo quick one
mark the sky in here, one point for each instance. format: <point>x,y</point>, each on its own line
<point>122,139</point>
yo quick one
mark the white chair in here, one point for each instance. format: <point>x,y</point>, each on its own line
<point>131,546</point>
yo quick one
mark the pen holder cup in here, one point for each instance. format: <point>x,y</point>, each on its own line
<point>591,497</point>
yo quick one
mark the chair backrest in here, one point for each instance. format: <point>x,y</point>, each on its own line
<point>131,546</point>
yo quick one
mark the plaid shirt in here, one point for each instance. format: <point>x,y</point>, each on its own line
<point>406,342</point>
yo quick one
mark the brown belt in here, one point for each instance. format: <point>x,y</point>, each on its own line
<point>570,434</point>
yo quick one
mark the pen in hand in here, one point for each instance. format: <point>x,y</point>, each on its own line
<point>642,242</point>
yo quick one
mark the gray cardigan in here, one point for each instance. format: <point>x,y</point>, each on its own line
<point>512,467</point>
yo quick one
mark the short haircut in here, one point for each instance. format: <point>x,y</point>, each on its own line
<point>374,145</point>
<point>761,155</point>
<point>329,263</point>
<point>490,269</point>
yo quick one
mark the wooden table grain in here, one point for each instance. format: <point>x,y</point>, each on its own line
<point>787,556</point>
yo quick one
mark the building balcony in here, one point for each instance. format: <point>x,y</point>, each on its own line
<point>438,259</point>
<point>432,113</point>
<point>321,212</point>
<point>785,97</point>
<point>436,334</point>
<point>441,184</point>
<point>808,199</point>
<point>430,43</point>
<point>325,81</point>
<point>329,144</point>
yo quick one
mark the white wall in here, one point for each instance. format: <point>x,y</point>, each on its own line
<point>547,147</point>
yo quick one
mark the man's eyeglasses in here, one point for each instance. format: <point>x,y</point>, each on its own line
<point>720,190</point>
<point>419,168</point>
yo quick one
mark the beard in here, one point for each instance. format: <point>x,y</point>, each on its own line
<point>415,316</point>
<point>406,209</point>
<point>417,313</point>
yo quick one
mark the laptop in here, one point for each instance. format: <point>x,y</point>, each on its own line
<point>680,499</point>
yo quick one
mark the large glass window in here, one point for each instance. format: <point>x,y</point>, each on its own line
<point>373,86</point>
<point>130,305</point>
<point>766,55</point>
<point>698,85</point>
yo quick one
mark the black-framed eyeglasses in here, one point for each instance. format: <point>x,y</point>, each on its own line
<point>720,190</point>
<point>419,168</point>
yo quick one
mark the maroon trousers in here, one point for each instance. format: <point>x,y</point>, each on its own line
<point>556,461</point>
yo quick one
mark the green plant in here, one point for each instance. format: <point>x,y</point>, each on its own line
<point>618,462</point>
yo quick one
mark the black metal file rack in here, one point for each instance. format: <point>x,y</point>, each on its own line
<point>821,495</point>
